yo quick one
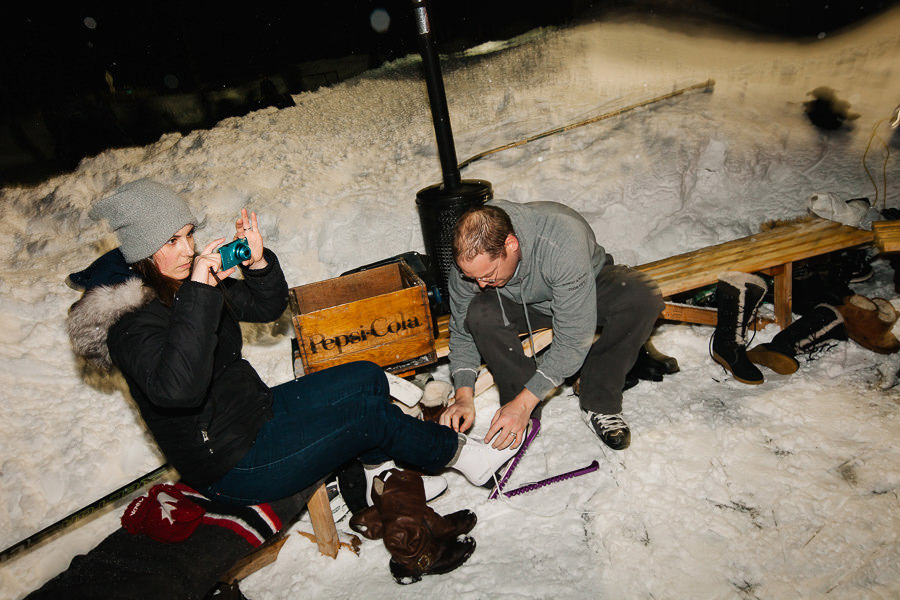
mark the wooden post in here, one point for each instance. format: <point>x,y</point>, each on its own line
<point>784,299</point>
<point>323,522</point>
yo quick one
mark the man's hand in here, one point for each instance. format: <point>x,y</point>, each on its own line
<point>510,421</point>
<point>460,416</point>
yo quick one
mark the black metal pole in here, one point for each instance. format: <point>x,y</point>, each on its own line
<point>440,205</point>
<point>436,97</point>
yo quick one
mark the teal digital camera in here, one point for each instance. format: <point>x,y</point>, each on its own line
<point>235,253</point>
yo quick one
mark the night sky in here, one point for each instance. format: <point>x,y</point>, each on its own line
<point>62,64</point>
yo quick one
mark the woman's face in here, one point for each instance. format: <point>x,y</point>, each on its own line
<point>176,257</point>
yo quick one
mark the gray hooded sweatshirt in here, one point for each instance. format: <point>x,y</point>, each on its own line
<point>556,276</point>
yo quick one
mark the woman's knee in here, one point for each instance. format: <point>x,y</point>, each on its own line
<point>365,374</point>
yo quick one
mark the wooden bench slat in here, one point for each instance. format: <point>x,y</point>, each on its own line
<point>887,235</point>
<point>786,239</point>
<point>442,342</point>
<point>772,243</point>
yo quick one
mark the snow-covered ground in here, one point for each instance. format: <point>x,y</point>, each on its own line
<point>784,490</point>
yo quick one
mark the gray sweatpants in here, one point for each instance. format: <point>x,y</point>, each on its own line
<point>628,305</point>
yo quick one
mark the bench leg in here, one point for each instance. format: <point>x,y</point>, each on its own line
<point>323,522</point>
<point>784,299</point>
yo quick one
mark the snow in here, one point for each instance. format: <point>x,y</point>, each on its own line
<point>784,490</point>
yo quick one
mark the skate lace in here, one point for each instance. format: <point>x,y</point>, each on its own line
<point>816,350</point>
<point>607,423</point>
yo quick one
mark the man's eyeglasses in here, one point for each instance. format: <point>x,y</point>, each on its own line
<point>491,277</point>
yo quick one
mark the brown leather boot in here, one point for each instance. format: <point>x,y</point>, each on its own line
<point>368,523</point>
<point>420,541</point>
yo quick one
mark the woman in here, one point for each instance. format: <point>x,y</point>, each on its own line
<point>173,332</point>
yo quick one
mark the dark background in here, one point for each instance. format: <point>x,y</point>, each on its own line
<point>79,79</point>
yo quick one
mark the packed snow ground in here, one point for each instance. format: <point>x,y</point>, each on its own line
<point>784,490</point>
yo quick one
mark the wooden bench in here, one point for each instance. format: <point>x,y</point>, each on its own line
<point>772,252</point>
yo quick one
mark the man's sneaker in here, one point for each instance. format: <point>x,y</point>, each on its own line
<point>612,429</point>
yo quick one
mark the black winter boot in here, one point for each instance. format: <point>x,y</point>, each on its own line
<point>739,295</point>
<point>804,335</point>
<point>669,364</point>
<point>650,365</point>
<point>646,368</point>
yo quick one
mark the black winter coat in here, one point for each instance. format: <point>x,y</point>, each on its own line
<point>203,403</point>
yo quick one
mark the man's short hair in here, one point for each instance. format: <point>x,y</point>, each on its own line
<point>481,230</point>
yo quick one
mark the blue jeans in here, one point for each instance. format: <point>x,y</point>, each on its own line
<point>323,420</point>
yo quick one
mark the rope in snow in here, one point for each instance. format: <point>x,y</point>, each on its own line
<point>887,154</point>
<point>705,86</point>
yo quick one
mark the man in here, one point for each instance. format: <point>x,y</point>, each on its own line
<point>524,267</point>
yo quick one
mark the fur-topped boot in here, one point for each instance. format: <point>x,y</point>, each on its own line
<point>738,296</point>
<point>804,335</point>
<point>869,323</point>
<point>435,399</point>
<point>419,540</point>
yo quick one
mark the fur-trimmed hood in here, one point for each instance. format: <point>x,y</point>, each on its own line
<point>91,317</point>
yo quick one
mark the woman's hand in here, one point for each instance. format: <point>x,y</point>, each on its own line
<point>208,262</point>
<point>248,227</point>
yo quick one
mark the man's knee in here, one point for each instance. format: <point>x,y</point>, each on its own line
<point>633,293</point>
<point>651,303</point>
<point>483,314</point>
<point>647,307</point>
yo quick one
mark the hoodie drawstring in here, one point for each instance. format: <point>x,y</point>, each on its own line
<point>527,320</point>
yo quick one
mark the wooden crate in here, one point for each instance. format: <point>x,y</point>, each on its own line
<point>380,314</point>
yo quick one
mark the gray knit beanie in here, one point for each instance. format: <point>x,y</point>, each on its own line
<point>145,215</point>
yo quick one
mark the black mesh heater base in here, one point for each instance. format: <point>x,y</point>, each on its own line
<point>438,211</point>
